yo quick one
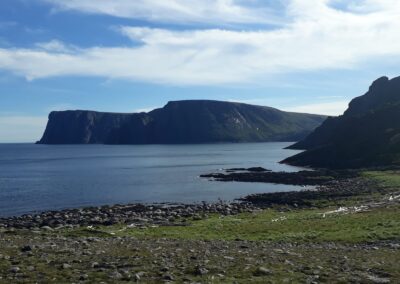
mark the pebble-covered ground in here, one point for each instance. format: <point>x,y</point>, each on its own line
<point>54,258</point>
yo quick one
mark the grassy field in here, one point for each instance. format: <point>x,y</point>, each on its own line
<point>271,225</point>
<point>389,179</point>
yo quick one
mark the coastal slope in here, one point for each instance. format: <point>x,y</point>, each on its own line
<point>180,122</point>
<point>366,135</point>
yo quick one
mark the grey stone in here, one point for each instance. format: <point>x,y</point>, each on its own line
<point>84,277</point>
<point>46,228</point>
<point>263,271</point>
<point>26,248</point>
<point>140,274</point>
<point>15,269</point>
<point>115,275</point>
<point>66,266</point>
<point>378,280</point>
<point>201,271</point>
<point>168,277</point>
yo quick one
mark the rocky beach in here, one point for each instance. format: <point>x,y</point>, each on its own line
<point>134,215</point>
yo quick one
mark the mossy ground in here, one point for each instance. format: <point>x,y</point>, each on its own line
<point>386,179</point>
<point>271,225</point>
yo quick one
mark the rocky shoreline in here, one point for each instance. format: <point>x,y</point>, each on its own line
<point>305,177</point>
<point>330,186</point>
<point>140,215</point>
<point>329,191</point>
<point>131,214</point>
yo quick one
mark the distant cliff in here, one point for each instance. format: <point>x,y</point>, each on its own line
<point>178,122</point>
<point>367,134</point>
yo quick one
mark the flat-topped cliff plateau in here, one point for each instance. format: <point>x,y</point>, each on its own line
<point>180,122</point>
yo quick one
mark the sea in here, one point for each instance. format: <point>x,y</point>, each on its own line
<point>36,178</point>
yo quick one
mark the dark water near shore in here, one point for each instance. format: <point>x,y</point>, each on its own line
<point>41,177</point>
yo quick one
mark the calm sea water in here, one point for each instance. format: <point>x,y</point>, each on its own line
<point>41,177</point>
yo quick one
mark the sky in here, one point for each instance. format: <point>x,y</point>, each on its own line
<point>128,56</point>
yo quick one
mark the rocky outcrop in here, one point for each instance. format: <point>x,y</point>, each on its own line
<point>366,135</point>
<point>196,121</point>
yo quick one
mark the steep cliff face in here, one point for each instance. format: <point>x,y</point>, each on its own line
<point>88,127</point>
<point>197,121</point>
<point>367,134</point>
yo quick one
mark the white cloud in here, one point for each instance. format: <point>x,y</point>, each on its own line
<point>327,108</point>
<point>21,128</point>
<point>366,6</point>
<point>147,109</point>
<point>332,108</point>
<point>181,11</point>
<point>60,107</point>
<point>56,46</point>
<point>317,37</point>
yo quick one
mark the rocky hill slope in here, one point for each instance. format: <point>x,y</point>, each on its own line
<point>366,135</point>
<point>178,122</point>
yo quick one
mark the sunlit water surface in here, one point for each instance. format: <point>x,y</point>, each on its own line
<point>42,177</point>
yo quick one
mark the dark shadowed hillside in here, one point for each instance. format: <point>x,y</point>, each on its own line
<point>197,121</point>
<point>367,134</point>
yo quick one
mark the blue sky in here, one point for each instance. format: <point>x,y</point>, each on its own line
<point>126,56</point>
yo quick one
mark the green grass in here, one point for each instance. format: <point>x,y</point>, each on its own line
<point>384,178</point>
<point>296,225</point>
